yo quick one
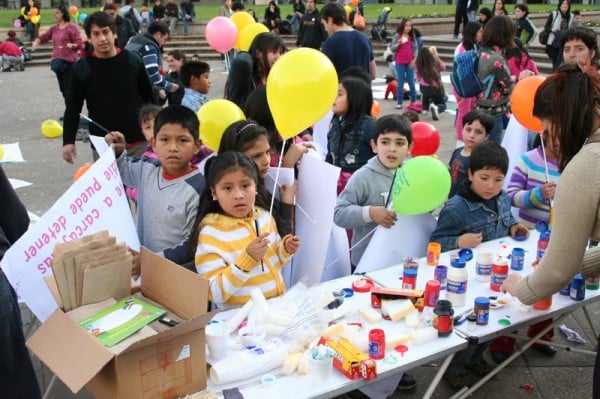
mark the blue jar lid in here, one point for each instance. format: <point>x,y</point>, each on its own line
<point>458,262</point>
<point>518,251</point>
<point>466,254</point>
<point>482,301</point>
<point>410,272</point>
<point>542,226</point>
<point>578,277</point>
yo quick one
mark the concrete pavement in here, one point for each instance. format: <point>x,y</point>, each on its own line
<point>32,96</point>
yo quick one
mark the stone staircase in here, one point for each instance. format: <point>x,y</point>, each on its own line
<point>436,32</point>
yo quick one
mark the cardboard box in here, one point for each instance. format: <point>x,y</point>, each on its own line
<point>350,360</point>
<point>168,364</point>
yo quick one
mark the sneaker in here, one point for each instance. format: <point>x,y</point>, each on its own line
<point>435,112</point>
<point>456,380</point>
<point>480,367</point>
<point>407,383</point>
<point>398,106</point>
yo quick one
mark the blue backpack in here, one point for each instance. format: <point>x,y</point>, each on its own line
<point>464,76</point>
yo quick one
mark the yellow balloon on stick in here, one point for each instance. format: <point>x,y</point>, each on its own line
<point>51,129</point>
<point>36,19</point>
<point>248,34</point>
<point>240,19</point>
<point>215,116</point>
<point>301,88</point>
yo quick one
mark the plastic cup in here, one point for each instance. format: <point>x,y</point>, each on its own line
<point>217,338</point>
<point>320,370</point>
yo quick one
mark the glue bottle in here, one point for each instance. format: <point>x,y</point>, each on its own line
<point>483,265</point>
<point>456,289</point>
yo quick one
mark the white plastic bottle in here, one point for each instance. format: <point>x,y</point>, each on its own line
<point>456,289</point>
<point>483,265</point>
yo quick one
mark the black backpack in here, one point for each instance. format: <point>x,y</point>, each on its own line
<point>130,15</point>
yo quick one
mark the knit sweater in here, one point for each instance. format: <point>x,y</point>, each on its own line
<point>60,38</point>
<point>221,257</point>
<point>576,220</point>
<point>524,189</point>
<point>167,208</point>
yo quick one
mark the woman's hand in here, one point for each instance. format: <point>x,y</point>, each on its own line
<point>292,244</point>
<point>469,240</point>
<point>510,284</point>
<point>257,249</point>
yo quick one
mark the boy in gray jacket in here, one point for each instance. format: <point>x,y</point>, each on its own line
<point>364,202</point>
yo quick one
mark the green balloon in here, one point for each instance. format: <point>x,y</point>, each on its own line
<point>420,186</point>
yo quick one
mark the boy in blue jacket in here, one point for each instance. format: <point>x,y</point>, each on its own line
<point>480,211</point>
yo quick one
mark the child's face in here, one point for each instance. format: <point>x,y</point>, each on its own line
<point>340,105</point>
<point>473,134</point>
<point>391,149</point>
<point>273,55</point>
<point>576,19</point>
<point>201,83</point>
<point>236,193</point>
<point>260,153</point>
<point>408,27</point>
<point>148,128</point>
<point>175,146</point>
<point>487,183</point>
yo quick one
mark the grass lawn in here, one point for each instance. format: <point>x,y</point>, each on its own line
<point>372,11</point>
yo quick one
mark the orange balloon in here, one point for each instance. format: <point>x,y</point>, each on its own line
<point>354,2</point>
<point>375,109</point>
<point>73,10</point>
<point>81,171</point>
<point>33,11</point>
<point>521,102</point>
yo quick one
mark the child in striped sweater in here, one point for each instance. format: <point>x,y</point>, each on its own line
<point>239,248</point>
<point>531,185</point>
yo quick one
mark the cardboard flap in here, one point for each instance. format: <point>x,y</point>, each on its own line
<point>181,291</point>
<point>184,328</point>
<point>54,343</point>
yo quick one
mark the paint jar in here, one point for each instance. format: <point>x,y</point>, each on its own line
<point>432,293</point>
<point>499,274</point>
<point>409,279</point>
<point>543,304</point>
<point>592,283</point>
<point>483,265</point>
<point>458,277</point>
<point>578,288</point>
<point>443,318</point>
<point>471,322</point>
<point>482,310</point>
<point>440,274</point>
<point>517,259</point>
<point>434,249</point>
<point>377,343</point>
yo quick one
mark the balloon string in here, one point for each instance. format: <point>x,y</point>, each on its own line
<point>276,180</point>
<point>297,205</point>
<point>333,262</point>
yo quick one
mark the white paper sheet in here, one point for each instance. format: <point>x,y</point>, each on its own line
<point>12,153</point>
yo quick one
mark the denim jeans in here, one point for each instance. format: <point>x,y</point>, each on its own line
<point>405,71</point>
<point>17,378</point>
<point>497,132</point>
<point>186,24</point>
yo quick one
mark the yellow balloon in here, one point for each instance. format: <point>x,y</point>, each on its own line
<point>23,11</point>
<point>1,152</point>
<point>215,116</point>
<point>51,129</point>
<point>248,34</point>
<point>35,19</point>
<point>240,19</point>
<point>311,77</point>
<point>348,9</point>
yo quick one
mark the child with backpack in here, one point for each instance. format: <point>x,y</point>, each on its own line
<point>429,67</point>
<point>520,63</point>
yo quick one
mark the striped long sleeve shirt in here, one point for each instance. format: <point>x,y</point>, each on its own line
<point>221,257</point>
<point>524,189</point>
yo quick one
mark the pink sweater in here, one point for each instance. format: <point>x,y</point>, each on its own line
<point>404,54</point>
<point>60,38</point>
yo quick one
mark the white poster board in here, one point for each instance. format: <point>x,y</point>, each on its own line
<point>95,202</point>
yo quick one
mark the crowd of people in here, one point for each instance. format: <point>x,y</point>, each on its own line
<point>216,221</point>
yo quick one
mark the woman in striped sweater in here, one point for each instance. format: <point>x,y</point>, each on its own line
<point>239,248</point>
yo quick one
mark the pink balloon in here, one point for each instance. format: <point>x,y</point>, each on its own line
<point>221,34</point>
